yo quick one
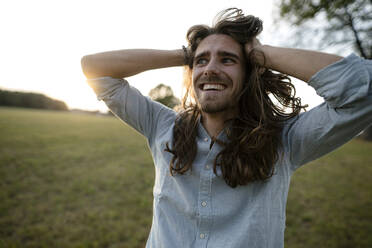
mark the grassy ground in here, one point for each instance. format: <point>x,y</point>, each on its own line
<point>74,180</point>
<point>330,200</point>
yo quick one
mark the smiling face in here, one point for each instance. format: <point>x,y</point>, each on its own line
<point>218,74</point>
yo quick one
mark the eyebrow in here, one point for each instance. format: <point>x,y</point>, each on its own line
<point>220,53</point>
<point>228,54</point>
<point>200,55</point>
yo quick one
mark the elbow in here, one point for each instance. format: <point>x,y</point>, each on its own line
<point>94,67</point>
<point>86,66</point>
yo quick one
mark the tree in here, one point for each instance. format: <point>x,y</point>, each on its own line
<point>30,100</point>
<point>346,22</point>
<point>164,94</point>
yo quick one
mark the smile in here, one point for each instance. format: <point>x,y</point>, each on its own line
<point>212,86</point>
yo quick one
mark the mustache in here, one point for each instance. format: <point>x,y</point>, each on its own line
<point>213,79</point>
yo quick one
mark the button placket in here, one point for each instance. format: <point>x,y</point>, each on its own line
<point>204,207</point>
<point>204,196</point>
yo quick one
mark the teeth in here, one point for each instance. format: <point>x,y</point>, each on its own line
<point>213,87</point>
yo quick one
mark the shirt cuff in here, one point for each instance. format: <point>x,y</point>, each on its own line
<point>343,82</point>
<point>105,87</point>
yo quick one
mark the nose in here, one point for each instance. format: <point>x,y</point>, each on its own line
<point>209,73</point>
<point>211,69</point>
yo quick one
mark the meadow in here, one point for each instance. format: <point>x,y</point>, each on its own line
<point>79,180</point>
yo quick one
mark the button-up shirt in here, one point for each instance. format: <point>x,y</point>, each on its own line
<point>198,209</point>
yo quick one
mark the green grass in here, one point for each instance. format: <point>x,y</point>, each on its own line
<point>330,200</point>
<point>71,180</point>
<point>75,180</point>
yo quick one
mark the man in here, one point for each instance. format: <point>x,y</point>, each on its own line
<point>223,164</point>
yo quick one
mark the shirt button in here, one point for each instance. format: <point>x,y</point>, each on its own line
<point>207,167</point>
<point>204,204</point>
<point>202,235</point>
<point>206,139</point>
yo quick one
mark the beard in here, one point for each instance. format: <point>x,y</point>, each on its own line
<point>213,108</point>
<point>213,104</point>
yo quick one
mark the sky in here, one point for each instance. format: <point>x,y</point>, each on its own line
<point>42,42</point>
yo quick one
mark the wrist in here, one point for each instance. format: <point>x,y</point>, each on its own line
<point>178,57</point>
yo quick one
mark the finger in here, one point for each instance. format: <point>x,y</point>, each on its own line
<point>248,47</point>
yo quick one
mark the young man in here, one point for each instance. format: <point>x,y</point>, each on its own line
<point>223,164</point>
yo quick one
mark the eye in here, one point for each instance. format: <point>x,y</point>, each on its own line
<point>201,61</point>
<point>228,61</point>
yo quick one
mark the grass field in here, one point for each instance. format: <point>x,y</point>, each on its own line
<point>75,180</point>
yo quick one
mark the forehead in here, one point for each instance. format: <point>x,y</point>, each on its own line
<point>219,42</point>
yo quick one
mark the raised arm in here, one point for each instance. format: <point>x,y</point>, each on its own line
<point>125,63</point>
<point>301,64</point>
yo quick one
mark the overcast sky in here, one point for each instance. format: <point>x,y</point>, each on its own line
<point>42,41</point>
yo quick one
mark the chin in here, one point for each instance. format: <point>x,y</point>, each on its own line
<point>213,108</point>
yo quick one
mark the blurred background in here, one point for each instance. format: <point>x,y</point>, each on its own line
<point>72,176</point>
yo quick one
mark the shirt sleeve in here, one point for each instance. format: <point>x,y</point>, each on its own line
<point>128,104</point>
<point>346,111</point>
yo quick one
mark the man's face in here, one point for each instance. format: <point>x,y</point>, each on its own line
<point>218,74</point>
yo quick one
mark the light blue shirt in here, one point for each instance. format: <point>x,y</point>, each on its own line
<point>199,209</point>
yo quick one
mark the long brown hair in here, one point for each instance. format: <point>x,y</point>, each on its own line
<point>253,136</point>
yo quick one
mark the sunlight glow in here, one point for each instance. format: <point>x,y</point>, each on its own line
<point>43,41</point>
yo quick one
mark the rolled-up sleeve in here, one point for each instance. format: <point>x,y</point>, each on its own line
<point>127,103</point>
<point>347,110</point>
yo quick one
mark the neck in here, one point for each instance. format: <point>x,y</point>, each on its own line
<point>214,123</point>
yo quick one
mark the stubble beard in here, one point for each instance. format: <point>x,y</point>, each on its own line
<point>225,104</point>
<point>214,108</point>
<point>218,104</point>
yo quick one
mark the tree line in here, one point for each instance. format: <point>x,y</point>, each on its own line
<point>30,100</point>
